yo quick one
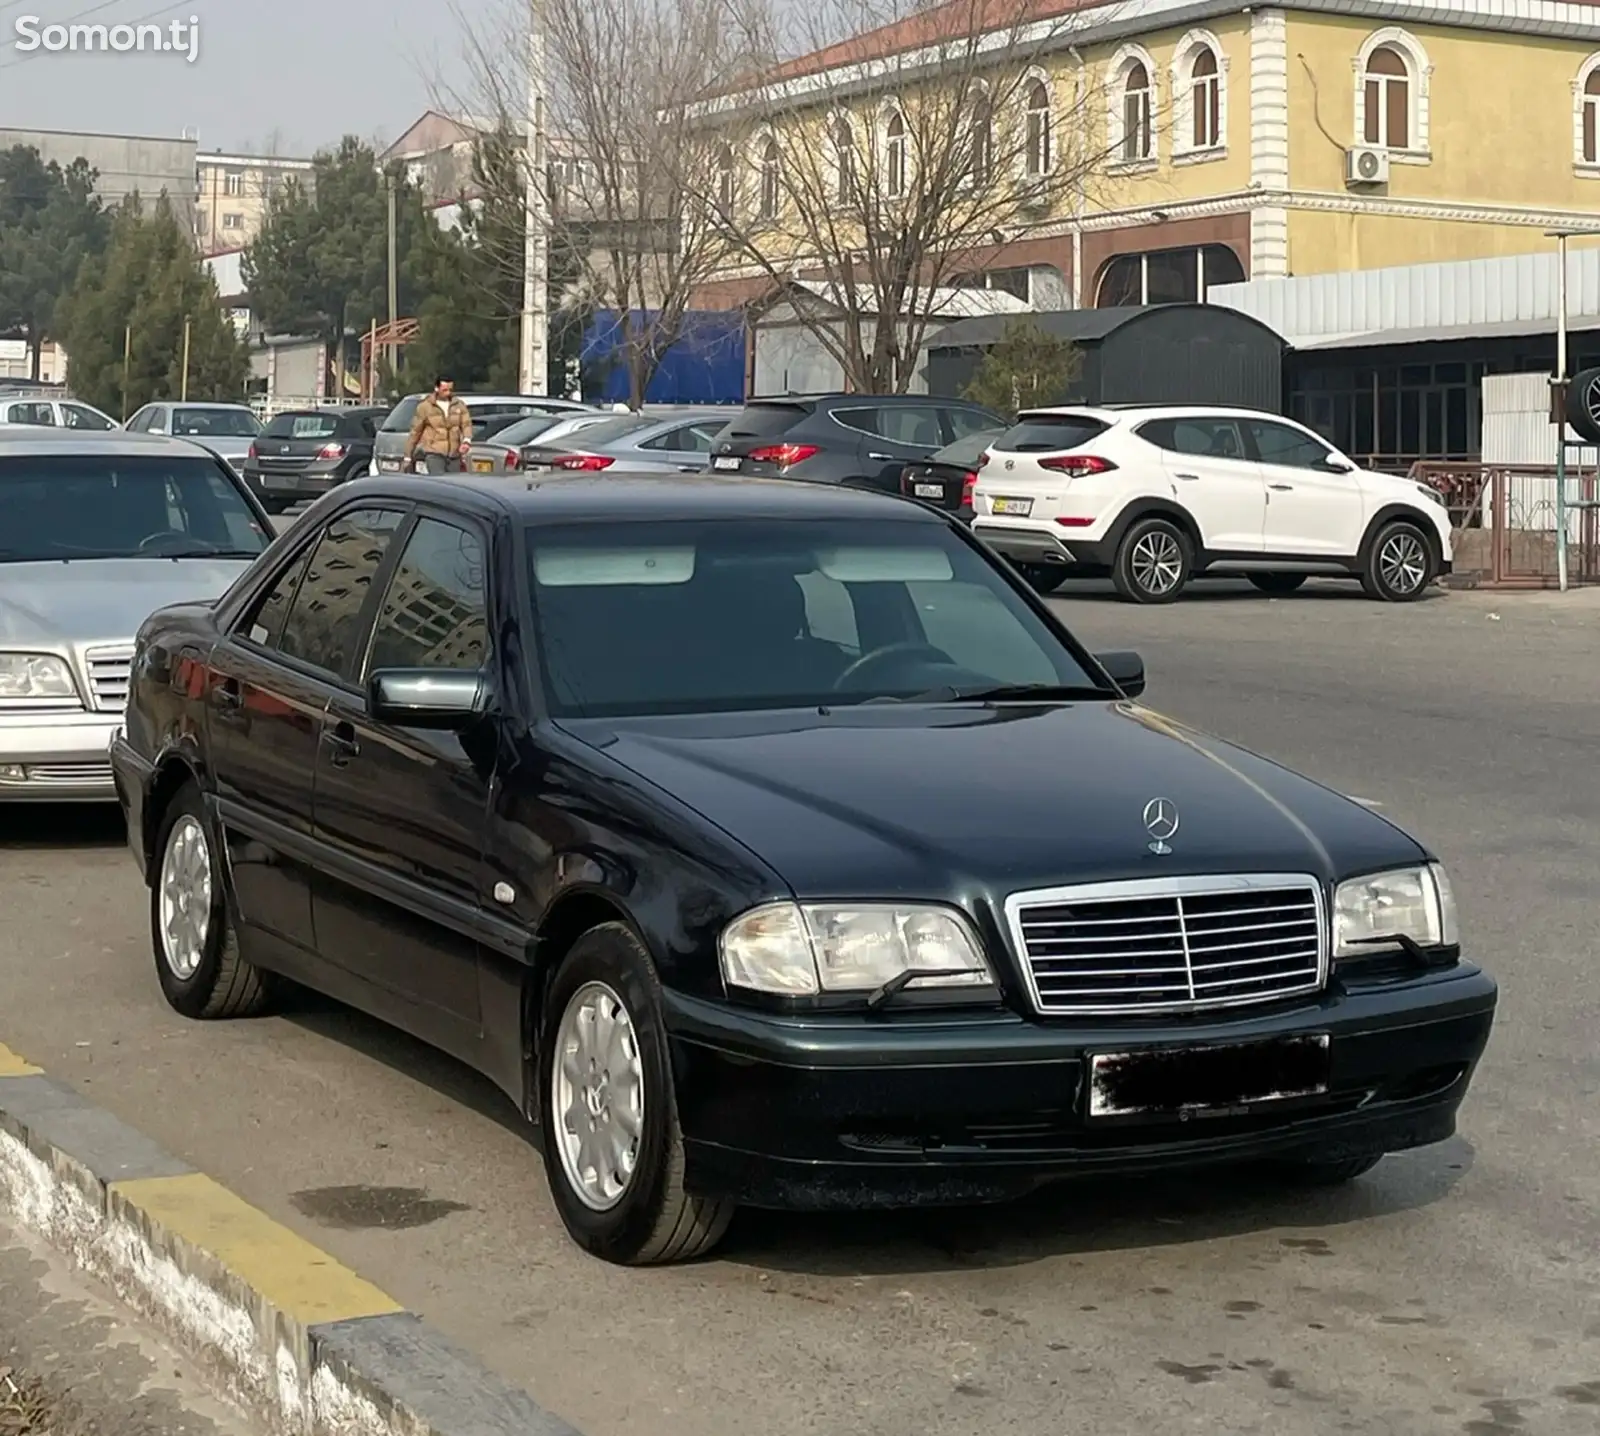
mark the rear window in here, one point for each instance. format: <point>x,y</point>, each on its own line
<point>302,426</point>
<point>525,430</point>
<point>1049,433</point>
<point>968,451</point>
<point>400,417</point>
<point>763,421</point>
<point>215,423</point>
<point>609,430</point>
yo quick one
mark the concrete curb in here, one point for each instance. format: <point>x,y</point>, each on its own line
<point>296,1338</point>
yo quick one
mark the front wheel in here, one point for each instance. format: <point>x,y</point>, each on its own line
<point>1277,583</point>
<point>1152,563</point>
<point>1400,565</point>
<point>613,1150</point>
<point>1043,578</point>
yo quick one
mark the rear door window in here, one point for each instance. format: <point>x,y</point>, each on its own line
<point>1200,438</point>
<point>39,415</point>
<point>912,425</point>
<point>1050,433</point>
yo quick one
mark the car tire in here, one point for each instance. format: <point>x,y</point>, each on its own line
<point>641,1216</point>
<point>196,948</point>
<point>1153,561</point>
<point>1043,578</point>
<point>1400,564</point>
<point>1330,1174</point>
<point>1277,583</point>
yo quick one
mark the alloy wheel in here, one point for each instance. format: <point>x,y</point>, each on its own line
<point>185,897</point>
<point>597,1096</point>
<point>1157,562</point>
<point>1403,562</point>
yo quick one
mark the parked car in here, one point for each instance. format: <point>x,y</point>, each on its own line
<point>227,430</point>
<point>502,452</point>
<point>302,453</point>
<point>640,443</point>
<point>864,440</point>
<point>99,530</point>
<point>946,480</point>
<point>491,413</point>
<point>44,409</point>
<point>655,799</point>
<point>1154,494</point>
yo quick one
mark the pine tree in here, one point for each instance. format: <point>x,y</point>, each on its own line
<point>149,282</point>
<point>1026,369</point>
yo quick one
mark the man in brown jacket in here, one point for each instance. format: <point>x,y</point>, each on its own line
<point>441,431</point>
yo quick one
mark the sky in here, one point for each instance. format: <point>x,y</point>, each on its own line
<point>281,76</point>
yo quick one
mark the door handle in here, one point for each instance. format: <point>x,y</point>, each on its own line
<point>342,745</point>
<point>228,698</point>
<point>1190,477</point>
<point>1281,488</point>
<point>881,458</point>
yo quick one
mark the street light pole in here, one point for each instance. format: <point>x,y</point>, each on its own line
<point>392,354</point>
<point>1561,416</point>
<point>535,337</point>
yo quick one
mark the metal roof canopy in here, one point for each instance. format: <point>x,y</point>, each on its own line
<point>1419,303</point>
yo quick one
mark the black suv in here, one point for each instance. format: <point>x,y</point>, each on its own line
<point>863,440</point>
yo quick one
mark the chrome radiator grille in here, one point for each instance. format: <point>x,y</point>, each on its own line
<point>109,670</point>
<point>1170,944</point>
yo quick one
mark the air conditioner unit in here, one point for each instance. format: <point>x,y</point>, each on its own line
<point>1364,165</point>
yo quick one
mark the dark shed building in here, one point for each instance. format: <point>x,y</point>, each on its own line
<point>1142,354</point>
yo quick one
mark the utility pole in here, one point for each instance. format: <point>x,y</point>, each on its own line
<point>394,281</point>
<point>534,348</point>
<point>127,365</point>
<point>183,397</point>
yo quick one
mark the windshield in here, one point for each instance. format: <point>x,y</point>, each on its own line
<point>301,426</point>
<point>215,424</point>
<point>80,506</point>
<point>727,615</point>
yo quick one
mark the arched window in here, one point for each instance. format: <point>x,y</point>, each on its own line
<point>1205,100</point>
<point>771,162</point>
<point>1388,100</point>
<point>1136,113</point>
<point>1037,129</point>
<point>726,184</point>
<point>981,163</point>
<point>844,160</point>
<point>1591,118</point>
<point>895,157</point>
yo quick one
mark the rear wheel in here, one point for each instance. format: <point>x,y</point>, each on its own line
<point>1152,563</point>
<point>613,1150</point>
<point>1043,578</point>
<point>1277,583</point>
<point>1400,564</point>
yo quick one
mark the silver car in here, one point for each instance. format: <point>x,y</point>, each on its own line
<point>678,441</point>
<point>99,531</point>
<point>491,413</point>
<point>227,430</point>
<point>502,454</point>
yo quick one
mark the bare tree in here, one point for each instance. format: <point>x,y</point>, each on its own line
<point>887,165</point>
<point>621,75</point>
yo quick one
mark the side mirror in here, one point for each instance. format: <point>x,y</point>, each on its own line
<point>1125,669</point>
<point>1336,466</point>
<point>427,697</point>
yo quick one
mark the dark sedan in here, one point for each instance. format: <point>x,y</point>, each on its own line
<point>302,453</point>
<point>772,843</point>
<point>946,480</point>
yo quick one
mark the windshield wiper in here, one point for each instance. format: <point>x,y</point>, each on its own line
<point>1016,692</point>
<point>209,552</point>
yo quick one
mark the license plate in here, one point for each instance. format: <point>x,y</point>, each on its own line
<point>272,481</point>
<point>928,491</point>
<point>1207,1081</point>
<point>389,466</point>
<point>483,466</point>
<point>1019,508</point>
<point>725,461</point>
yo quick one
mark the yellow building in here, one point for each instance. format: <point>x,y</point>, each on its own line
<point>232,192</point>
<point>1264,142</point>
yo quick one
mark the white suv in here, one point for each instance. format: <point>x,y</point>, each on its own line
<point>1155,494</point>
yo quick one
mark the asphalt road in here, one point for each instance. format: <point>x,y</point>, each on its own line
<point>1454,1290</point>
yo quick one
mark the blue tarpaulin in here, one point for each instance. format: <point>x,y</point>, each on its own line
<point>706,364</point>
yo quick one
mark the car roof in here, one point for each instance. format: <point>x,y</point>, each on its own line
<point>197,404</point>
<point>1113,412</point>
<point>630,498</point>
<point>27,441</point>
<point>839,396</point>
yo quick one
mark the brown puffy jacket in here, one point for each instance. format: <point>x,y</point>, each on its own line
<point>437,430</point>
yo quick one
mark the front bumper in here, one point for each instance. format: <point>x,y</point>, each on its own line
<point>57,757</point>
<point>132,776</point>
<point>910,1110</point>
<point>298,483</point>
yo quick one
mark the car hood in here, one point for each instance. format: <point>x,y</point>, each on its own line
<point>958,799</point>
<point>101,600</point>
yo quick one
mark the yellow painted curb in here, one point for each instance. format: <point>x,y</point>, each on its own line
<point>13,1066</point>
<point>301,1281</point>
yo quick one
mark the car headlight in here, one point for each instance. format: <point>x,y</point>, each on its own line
<point>34,676</point>
<point>1391,908</point>
<point>1428,491</point>
<point>799,950</point>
